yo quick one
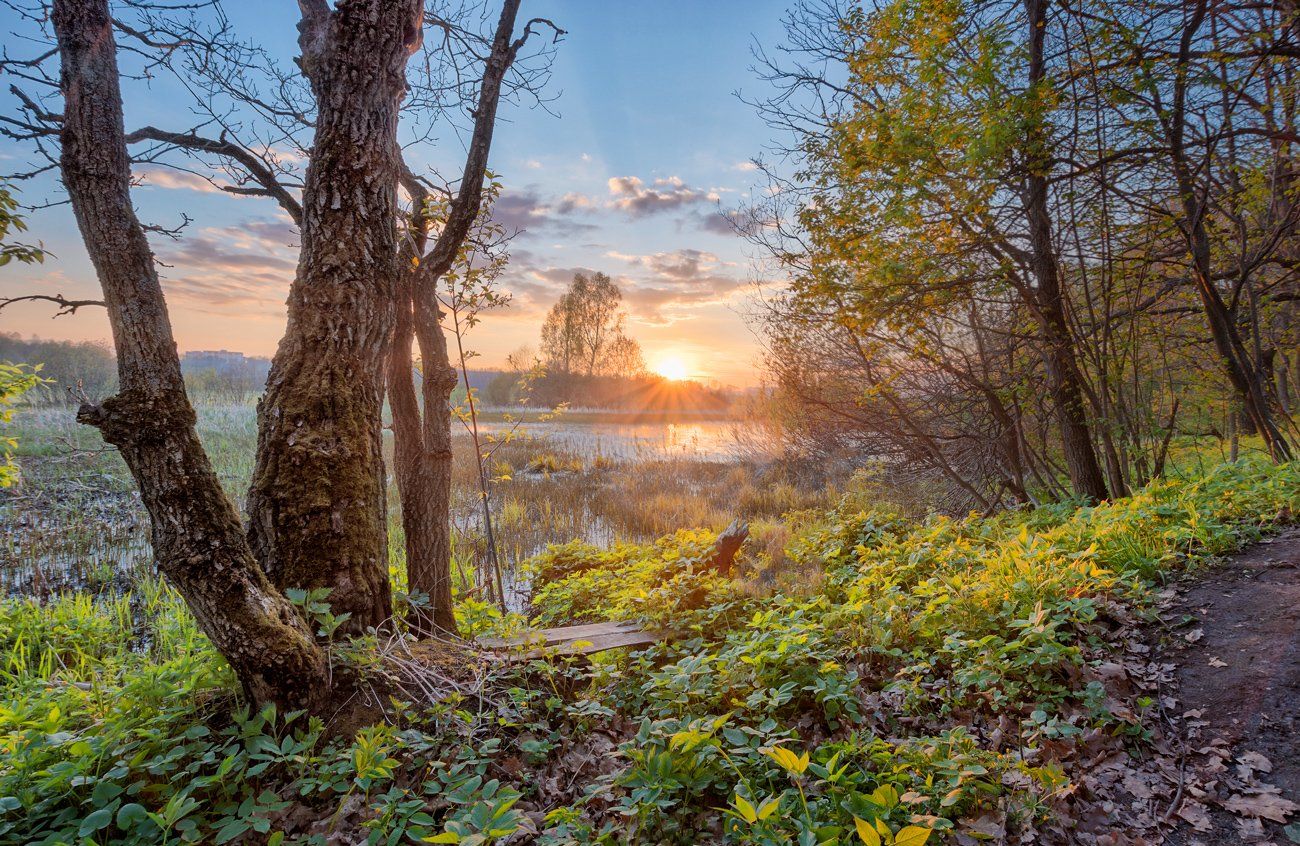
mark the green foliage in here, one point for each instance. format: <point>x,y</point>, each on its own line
<point>10,222</point>
<point>15,380</point>
<point>862,708</point>
<point>659,581</point>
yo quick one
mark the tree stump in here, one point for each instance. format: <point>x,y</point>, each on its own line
<point>727,545</point>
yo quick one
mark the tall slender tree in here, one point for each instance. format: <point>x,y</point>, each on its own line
<point>422,436</point>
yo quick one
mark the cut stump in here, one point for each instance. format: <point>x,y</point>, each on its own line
<point>727,545</point>
<point>574,640</point>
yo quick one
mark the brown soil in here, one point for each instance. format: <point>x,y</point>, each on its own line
<point>1237,655</point>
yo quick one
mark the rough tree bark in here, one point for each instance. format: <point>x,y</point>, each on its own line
<point>422,445</point>
<point>197,538</point>
<point>316,505</point>
<point>1065,381</point>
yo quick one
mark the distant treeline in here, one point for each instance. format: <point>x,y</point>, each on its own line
<point>642,392</point>
<point>72,369</point>
<point>69,368</point>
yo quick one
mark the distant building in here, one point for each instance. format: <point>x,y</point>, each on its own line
<point>233,366</point>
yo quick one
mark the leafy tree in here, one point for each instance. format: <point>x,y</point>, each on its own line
<point>15,380</point>
<point>584,331</point>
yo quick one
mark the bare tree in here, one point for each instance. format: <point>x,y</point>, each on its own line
<point>251,110</point>
<point>422,438</point>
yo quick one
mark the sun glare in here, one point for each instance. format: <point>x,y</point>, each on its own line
<point>672,367</point>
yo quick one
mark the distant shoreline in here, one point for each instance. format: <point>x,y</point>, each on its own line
<point>605,415</point>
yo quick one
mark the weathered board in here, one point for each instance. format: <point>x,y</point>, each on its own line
<point>574,640</point>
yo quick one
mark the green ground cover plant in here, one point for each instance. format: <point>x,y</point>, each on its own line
<point>940,678</point>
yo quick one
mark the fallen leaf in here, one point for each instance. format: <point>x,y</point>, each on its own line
<point>1250,829</point>
<point>1196,815</point>
<point>1256,762</point>
<point>1270,806</point>
<point>1216,662</point>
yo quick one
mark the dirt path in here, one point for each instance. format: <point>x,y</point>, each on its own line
<point>1236,647</point>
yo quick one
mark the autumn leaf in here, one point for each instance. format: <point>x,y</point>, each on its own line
<point>866,833</point>
<point>1270,806</point>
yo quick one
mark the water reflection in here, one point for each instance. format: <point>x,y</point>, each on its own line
<point>709,440</point>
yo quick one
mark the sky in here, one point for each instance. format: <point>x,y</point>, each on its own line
<point>642,145</point>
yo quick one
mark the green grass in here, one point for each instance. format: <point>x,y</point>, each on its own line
<point>935,671</point>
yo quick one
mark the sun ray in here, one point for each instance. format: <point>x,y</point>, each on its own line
<point>672,367</point>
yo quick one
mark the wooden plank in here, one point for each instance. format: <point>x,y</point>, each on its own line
<point>575,640</point>
<point>557,635</point>
<point>600,643</point>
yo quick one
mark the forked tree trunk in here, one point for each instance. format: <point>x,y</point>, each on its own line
<point>421,457</point>
<point>422,445</point>
<point>1064,379</point>
<point>197,538</point>
<point>317,511</point>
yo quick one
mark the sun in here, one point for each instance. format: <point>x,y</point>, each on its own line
<point>672,367</point>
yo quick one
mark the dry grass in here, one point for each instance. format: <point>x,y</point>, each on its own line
<point>541,493</point>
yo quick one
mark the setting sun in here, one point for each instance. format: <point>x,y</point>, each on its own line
<point>672,367</point>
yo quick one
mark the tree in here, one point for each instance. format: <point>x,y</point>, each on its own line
<point>990,250</point>
<point>316,506</point>
<point>583,333</point>
<point>422,438</point>
<point>1047,299</point>
<point>938,150</point>
<point>1204,101</point>
<point>198,541</point>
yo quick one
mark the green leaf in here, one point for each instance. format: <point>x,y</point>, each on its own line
<point>130,814</point>
<point>95,821</point>
<point>445,837</point>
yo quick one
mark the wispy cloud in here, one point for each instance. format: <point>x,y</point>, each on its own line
<point>526,211</point>
<point>177,180</point>
<point>245,268</point>
<point>632,195</point>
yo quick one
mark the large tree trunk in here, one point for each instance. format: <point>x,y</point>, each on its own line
<point>422,446</point>
<point>197,538</point>
<point>318,517</point>
<point>1064,379</point>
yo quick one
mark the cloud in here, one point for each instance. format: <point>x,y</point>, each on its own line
<point>715,223</point>
<point>632,195</point>
<point>672,283</point>
<point>180,180</point>
<point>526,211</point>
<point>745,167</point>
<point>247,267</point>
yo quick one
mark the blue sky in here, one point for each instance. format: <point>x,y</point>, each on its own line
<point>646,143</point>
